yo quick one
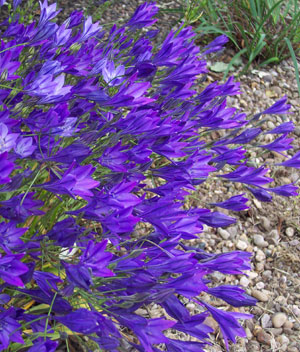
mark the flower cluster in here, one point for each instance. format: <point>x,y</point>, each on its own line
<point>102,136</point>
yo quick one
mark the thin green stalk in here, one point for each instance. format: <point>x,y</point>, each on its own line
<point>31,184</point>
<point>48,315</point>
<point>14,46</point>
<point>293,55</point>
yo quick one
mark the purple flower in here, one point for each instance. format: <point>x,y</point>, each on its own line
<point>7,140</point>
<point>248,175</point>
<point>18,208</point>
<point>285,127</point>
<point>245,137</point>
<point>78,275</point>
<point>8,67</point>
<point>143,16</point>
<point>216,45</point>
<point>10,236</point>
<point>6,168</point>
<point>75,181</point>
<point>11,269</point>
<point>62,35</point>
<point>89,29</point>
<point>49,89</point>
<point>280,144</point>
<point>195,326</point>
<point>65,232</point>
<point>294,161</point>
<point>76,151</point>
<point>228,323</point>
<point>112,75</point>
<point>9,328</point>
<point>261,194</point>
<point>280,107</point>
<point>233,295</point>
<point>47,12</point>
<point>24,147</point>
<point>16,3</point>
<point>114,158</point>
<point>59,305</point>
<point>82,321</point>
<point>148,331</point>
<point>285,190</point>
<point>216,219</point>
<point>95,258</point>
<point>44,346</point>
<point>233,263</point>
<point>235,203</point>
<point>46,281</point>
<point>229,156</point>
<point>183,346</point>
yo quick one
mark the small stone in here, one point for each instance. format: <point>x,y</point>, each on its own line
<point>296,310</point>
<point>282,339</point>
<point>275,331</point>
<point>259,241</point>
<point>253,346</point>
<point>292,349</point>
<point>233,231</point>
<point>297,131</point>
<point>277,91</point>
<point>260,256</point>
<point>265,222</point>
<point>262,297</point>
<point>279,319</point>
<point>264,337</point>
<point>265,320</point>
<point>288,331</point>
<point>224,234</point>
<point>241,245</point>
<point>288,325</point>
<point>190,306</point>
<point>252,275</point>
<point>260,285</point>
<point>267,78</point>
<point>281,300</point>
<point>244,281</point>
<point>290,232</point>
<point>267,274</point>
<point>257,203</point>
<point>271,125</point>
<point>248,333</point>
<point>259,267</point>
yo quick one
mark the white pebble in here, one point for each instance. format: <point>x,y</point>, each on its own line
<point>260,255</point>
<point>224,234</point>
<point>262,297</point>
<point>279,319</point>
<point>241,245</point>
<point>290,232</point>
<point>244,281</point>
<point>260,285</point>
<point>260,241</point>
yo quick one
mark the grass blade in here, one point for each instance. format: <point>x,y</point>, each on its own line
<point>295,62</point>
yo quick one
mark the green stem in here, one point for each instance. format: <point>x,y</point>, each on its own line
<point>47,320</point>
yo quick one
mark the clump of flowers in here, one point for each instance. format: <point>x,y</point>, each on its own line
<point>102,136</point>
